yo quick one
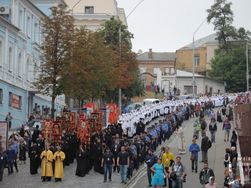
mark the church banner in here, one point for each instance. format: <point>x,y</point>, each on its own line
<point>3,134</point>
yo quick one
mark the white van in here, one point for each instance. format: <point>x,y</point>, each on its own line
<point>150,101</point>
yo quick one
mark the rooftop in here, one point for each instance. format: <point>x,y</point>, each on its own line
<point>210,39</point>
<point>156,56</point>
<point>181,73</point>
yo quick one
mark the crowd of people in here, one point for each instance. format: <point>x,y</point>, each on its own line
<point>123,147</point>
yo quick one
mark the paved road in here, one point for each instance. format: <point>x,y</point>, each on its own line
<point>23,179</point>
<point>215,157</point>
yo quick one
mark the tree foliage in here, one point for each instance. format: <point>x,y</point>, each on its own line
<point>56,48</point>
<point>117,36</point>
<point>229,63</point>
<point>91,70</point>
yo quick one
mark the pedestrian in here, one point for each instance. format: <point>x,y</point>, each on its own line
<point>205,174</point>
<point>46,164</point>
<point>159,174</point>
<point>123,161</point>
<point>150,160</point>
<point>59,157</point>
<point>227,158</point>
<point>8,119</point>
<point>211,183</point>
<point>168,160</point>
<point>219,119</point>
<point>11,155</point>
<point>81,162</point>
<point>213,129</point>
<point>197,129</point>
<point>34,155</point>
<point>3,162</point>
<point>205,146</point>
<point>194,149</point>
<point>107,163</point>
<point>22,151</point>
<point>233,140</point>
<point>203,124</point>
<point>226,127</point>
<point>177,173</point>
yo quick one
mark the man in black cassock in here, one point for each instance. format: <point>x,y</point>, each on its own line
<point>34,158</point>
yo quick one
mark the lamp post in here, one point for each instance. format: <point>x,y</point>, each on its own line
<point>120,49</point>
<point>194,54</point>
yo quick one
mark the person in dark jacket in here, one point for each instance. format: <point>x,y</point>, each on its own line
<point>34,158</point>
<point>81,162</point>
<point>233,140</point>
<point>11,156</point>
<point>205,146</point>
<point>213,129</point>
<point>205,174</point>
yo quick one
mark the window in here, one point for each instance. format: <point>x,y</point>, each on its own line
<point>27,69</point>
<point>1,53</point>
<point>21,19</point>
<point>196,60</point>
<point>10,59</point>
<point>28,26</point>
<point>189,90</point>
<point>15,101</point>
<point>89,10</point>
<point>19,64</point>
<point>1,96</point>
<point>36,32</point>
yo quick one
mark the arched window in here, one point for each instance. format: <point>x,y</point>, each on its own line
<point>10,58</point>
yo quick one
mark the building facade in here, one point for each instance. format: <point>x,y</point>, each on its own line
<point>20,38</point>
<point>182,80</point>
<point>153,65</point>
<point>92,14</point>
<point>204,52</point>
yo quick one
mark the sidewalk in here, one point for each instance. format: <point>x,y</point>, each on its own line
<point>215,157</point>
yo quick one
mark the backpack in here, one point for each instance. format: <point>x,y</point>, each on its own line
<point>209,144</point>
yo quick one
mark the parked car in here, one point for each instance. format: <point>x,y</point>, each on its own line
<point>132,106</point>
<point>150,101</point>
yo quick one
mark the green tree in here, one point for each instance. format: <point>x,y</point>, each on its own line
<point>56,48</point>
<point>91,71</point>
<point>230,67</point>
<point>229,63</point>
<point>117,36</point>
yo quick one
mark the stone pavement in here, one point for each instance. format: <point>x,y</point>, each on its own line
<point>215,157</point>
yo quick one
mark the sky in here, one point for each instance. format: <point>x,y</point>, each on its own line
<point>167,25</point>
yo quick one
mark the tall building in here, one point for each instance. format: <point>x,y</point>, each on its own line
<point>93,13</point>
<point>204,52</point>
<point>20,39</point>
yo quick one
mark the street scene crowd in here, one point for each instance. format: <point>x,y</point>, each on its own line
<point>132,142</point>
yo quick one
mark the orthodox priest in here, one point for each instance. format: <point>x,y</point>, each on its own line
<point>59,157</point>
<point>46,164</point>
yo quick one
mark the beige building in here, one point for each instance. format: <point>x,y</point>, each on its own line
<point>153,65</point>
<point>93,13</point>
<point>204,53</point>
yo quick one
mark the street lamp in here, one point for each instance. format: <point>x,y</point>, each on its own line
<point>194,55</point>
<point>120,48</point>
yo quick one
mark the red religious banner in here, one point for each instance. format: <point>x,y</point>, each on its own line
<point>83,132</point>
<point>52,131</point>
<point>72,121</point>
<point>113,113</point>
<point>3,135</point>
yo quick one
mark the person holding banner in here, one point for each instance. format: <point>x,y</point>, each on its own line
<point>59,157</point>
<point>46,164</point>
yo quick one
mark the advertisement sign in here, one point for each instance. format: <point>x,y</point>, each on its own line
<point>15,101</point>
<point>3,134</point>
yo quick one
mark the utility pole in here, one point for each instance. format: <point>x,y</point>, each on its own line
<point>120,48</point>
<point>247,66</point>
